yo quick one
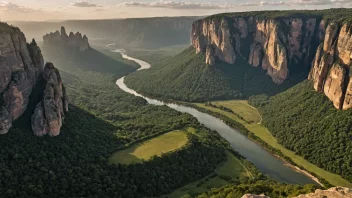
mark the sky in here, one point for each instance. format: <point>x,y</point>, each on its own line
<point>52,10</point>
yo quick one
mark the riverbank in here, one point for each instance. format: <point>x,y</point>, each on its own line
<point>271,165</point>
<point>261,135</point>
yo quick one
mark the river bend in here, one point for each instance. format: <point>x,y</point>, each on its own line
<point>261,158</point>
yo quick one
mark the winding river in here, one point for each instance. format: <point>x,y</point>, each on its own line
<point>261,158</point>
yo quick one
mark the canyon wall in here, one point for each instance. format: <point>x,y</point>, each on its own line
<point>330,71</point>
<point>75,41</point>
<point>21,69</point>
<point>272,44</point>
<point>281,45</point>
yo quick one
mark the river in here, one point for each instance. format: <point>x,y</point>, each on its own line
<point>261,158</point>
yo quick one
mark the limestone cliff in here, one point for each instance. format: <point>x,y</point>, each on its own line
<point>281,45</point>
<point>21,68</point>
<point>75,41</point>
<point>330,71</point>
<point>273,44</point>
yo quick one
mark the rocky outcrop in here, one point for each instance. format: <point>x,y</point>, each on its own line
<point>254,196</point>
<point>49,113</point>
<point>214,36</point>
<point>336,192</point>
<point>330,71</point>
<point>21,68</point>
<point>281,44</point>
<point>75,41</point>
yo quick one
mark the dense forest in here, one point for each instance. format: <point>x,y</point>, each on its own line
<point>186,77</point>
<point>336,14</point>
<point>307,123</point>
<point>101,120</point>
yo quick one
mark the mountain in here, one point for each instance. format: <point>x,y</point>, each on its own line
<point>25,83</point>
<point>137,33</point>
<point>280,44</point>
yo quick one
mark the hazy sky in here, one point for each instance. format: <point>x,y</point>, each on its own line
<point>42,10</point>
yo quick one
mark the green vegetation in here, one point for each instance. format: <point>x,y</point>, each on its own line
<point>103,119</point>
<point>338,15</point>
<point>306,123</point>
<point>241,109</point>
<point>231,171</point>
<point>144,151</point>
<point>186,77</point>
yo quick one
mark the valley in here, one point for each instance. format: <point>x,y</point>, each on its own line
<point>272,166</point>
<point>236,105</point>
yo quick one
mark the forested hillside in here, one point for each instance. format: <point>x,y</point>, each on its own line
<point>307,123</point>
<point>187,77</point>
<point>101,120</point>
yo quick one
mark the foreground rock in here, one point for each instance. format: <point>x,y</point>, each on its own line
<point>254,196</point>
<point>21,68</point>
<point>281,44</point>
<point>75,41</point>
<point>336,192</point>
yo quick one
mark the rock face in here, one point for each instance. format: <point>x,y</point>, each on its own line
<point>281,44</point>
<point>21,68</point>
<point>272,44</point>
<point>331,67</point>
<point>49,113</point>
<point>75,41</point>
<point>336,192</point>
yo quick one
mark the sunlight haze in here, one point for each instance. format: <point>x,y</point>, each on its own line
<point>44,10</point>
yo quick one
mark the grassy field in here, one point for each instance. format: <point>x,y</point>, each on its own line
<point>229,172</point>
<point>262,132</point>
<point>168,142</point>
<point>242,108</point>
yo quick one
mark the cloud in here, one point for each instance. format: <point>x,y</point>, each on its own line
<point>11,7</point>
<point>175,5</point>
<point>84,4</point>
<point>263,3</point>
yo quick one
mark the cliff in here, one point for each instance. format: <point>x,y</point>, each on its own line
<point>272,44</point>
<point>280,45</point>
<point>21,69</point>
<point>331,67</point>
<point>75,41</point>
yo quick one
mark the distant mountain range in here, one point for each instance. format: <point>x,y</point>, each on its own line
<point>136,33</point>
